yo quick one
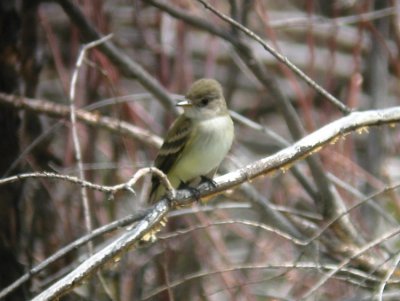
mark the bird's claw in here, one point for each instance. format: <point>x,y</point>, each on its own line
<point>194,191</point>
<point>205,179</point>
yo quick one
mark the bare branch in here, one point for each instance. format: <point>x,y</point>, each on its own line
<point>77,145</point>
<point>113,250</point>
<point>71,247</point>
<point>329,203</point>
<point>55,176</point>
<point>389,274</point>
<point>86,184</point>
<point>128,66</point>
<point>280,161</point>
<point>93,119</point>
<point>288,265</point>
<point>346,261</point>
<point>152,170</point>
<point>342,107</point>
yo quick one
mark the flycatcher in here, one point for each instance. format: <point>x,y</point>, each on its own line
<point>197,141</point>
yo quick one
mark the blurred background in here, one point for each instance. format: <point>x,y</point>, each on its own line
<point>224,249</point>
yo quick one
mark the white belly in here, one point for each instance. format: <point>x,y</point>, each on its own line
<point>215,140</point>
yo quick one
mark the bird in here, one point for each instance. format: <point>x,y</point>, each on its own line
<point>197,141</point>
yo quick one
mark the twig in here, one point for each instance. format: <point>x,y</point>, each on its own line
<point>93,119</point>
<point>338,217</point>
<point>346,261</point>
<point>333,22</point>
<point>258,127</point>
<point>288,265</point>
<point>374,206</point>
<point>127,66</point>
<point>389,274</point>
<point>77,146</point>
<point>113,250</point>
<point>55,176</point>
<point>330,204</point>
<point>93,234</point>
<point>71,247</point>
<point>279,161</point>
<point>356,121</point>
<point>254,224</point>
<point>282,160</point>
<point>342,107</point>
<point>31,146</point>
<point>134,218</point>
<point>152,170</point>
<point>86,184</point>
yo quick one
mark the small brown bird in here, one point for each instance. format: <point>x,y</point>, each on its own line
<point>197,141</point>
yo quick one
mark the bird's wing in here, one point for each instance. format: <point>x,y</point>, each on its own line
<point>172,148</point>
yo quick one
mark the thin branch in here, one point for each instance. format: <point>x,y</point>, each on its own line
<point>74,130</point>
<point>111,251</point>
<point>258,127</point>
<point>92,234</point>
<point>389,274</point>
<point>356,205</point>
<point>123,222</point>
<point>127,186</point>
<point>280,161</point>
<point>55,176</point>
<point>127,66</point>
<point>121,127</point>
<point>333,22</point>
<point>28,149</point>
<point>151,170</point>
<point>328,134</point>
<point>289,265</point>
<point>303,180</point>
<point>346,261</point>
<point>373,205</point>
<point>254,224</point>
<point>94,119</point>
<point>329,202</point>
<point>336,102</point>
<point>134,218</point>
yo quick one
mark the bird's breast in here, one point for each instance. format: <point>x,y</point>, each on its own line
<point>210,143</point>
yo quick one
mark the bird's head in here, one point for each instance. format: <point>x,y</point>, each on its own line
<point>204,100</point>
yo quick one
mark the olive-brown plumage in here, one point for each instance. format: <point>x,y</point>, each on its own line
<point>198,140</point>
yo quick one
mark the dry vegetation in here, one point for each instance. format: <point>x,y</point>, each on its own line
<point>306,207</point>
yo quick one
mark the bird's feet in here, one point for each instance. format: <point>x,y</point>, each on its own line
<point>208,180</point>
<point>194,191</point>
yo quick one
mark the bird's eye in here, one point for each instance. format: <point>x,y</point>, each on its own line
<point>204,102</point>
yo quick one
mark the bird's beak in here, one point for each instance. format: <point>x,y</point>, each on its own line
<point>184,103</point>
